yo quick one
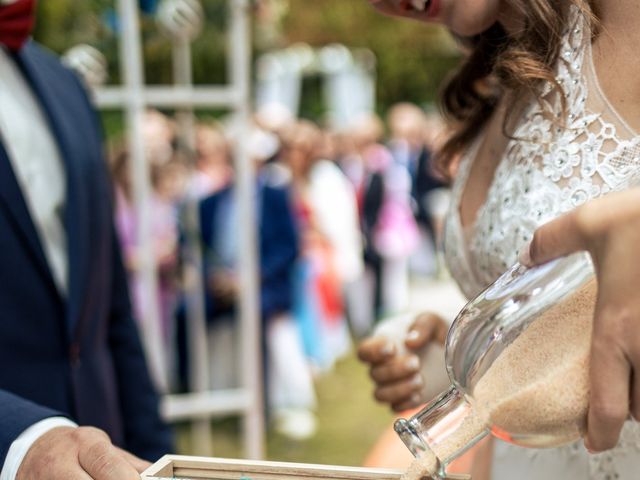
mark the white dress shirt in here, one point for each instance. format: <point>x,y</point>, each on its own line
<point>36,162</point>
<point>38,167</point>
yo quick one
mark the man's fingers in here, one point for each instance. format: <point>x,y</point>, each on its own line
<point>399,392</point>
<point>102,461</point>
<point>560,237</point>
<point>426,328</point>
<point>396,369</point>
<point>610,373</point>
<point>54,471</point>
<point>82,453</point>
<point>136,462</point>
<point>71,474</point>
<point>375,350</point>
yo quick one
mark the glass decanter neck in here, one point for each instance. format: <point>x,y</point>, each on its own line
<point>443,431</point>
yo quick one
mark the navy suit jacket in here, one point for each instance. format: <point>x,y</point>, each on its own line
<point>79,355</point>
<point>278,245</point>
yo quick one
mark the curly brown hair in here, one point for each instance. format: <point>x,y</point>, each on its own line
<point>498,63</point>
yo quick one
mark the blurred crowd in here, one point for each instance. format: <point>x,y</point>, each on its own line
<point>344,220</point>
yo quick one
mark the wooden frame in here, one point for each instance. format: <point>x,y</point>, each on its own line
<point>174,467</point>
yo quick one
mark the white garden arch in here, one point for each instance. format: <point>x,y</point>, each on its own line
<point>134,97</point>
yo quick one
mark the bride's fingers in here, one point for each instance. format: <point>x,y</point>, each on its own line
<point>635,394</point>
<point>585,227</point>
<point>555,239</point>
<point>610,374</point>
<point>633,353</point>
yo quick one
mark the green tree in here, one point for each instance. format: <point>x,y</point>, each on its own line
<point>64,23</point>
<point>413,58</point>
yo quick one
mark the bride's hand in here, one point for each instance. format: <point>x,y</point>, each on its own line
<point>609,228</point>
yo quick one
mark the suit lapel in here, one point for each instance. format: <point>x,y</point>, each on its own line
<point>12,200</point>
<point>50,92</point>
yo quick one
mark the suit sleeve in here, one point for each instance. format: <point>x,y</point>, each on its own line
<point>283,242</point>
<point>16,415</point>
<point>146,435</point>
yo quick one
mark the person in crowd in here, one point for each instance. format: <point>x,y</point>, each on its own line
<point>75,392</point>
<point>274,117</point>
<point>408,143</point>
<point>335,203</point>
<point>168,182</point>
<point>545,122</point>
<point>213,170</point>
<point>290,391</point>
<point>390,231</point>
<point>327,219</point>
<point>347,157</point>
<point>159,134</point>
<point>411,142</point>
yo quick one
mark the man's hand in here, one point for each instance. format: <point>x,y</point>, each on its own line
<point>224,286</point>
<point>609,228</point>
<point>78,454</point>
<point>397,376</point>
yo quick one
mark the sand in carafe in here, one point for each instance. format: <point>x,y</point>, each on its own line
<point>536,392</point>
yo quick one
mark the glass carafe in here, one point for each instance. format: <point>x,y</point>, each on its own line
<point>510,375</point>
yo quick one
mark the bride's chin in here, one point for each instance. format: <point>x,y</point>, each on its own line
<point>468,27</point>
<point>469,17</point>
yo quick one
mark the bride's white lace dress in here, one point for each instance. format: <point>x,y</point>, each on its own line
<point>548,170</point>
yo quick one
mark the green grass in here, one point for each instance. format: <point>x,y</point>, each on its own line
<point>349,423</point>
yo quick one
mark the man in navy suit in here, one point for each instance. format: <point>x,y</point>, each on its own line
<point>278,248</point>
<point>288,380</point>
<point>73,377</point>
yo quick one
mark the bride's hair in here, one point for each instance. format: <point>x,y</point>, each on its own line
<point>499,63</point>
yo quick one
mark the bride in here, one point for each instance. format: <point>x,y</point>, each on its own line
<point>546,114</point>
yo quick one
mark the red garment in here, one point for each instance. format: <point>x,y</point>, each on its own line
<point>16,23</point>
<point>325,278</point>
<point>328,285</point>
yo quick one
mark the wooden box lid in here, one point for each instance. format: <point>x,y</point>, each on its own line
<point>174,467</point>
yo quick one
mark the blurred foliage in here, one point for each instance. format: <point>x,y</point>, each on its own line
<point>413,58</point>
<point>64,23</point>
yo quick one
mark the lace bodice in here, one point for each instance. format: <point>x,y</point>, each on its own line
<point>547,170</point>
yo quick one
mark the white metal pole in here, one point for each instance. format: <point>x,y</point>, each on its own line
<point>250,328</point>
<point>201,439</point>
<point>133,76</point>
<point>183,77</point>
